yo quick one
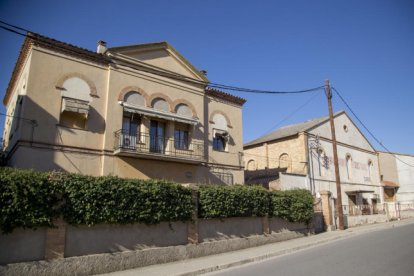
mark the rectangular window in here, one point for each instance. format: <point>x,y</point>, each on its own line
<point>220,139</point>
<point>181,139</point>
<point>219,143</point>
<point>131,124</point>
<point>157,137</point>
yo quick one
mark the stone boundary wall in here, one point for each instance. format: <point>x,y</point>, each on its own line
<point>70,241</point>
<point>230,234</point>
<point>352,221</point>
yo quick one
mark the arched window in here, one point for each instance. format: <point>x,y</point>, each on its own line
<point>370,168</point>
<point>184,110</point>
<point>220,133</point>
<point>348,166</point>
<point>160,104</point>
<point>182,131</point>
<point>134,98</point>
<point>76,97</point>
<point>322,162</point>
<point>285,162</point>
<point>251,165</point>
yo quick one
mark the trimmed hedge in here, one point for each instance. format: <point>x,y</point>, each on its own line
<point>27,200</point>
<point>293,205</point>
<point>31,199</point>
<point>92,200</point>
<point>232,201</point>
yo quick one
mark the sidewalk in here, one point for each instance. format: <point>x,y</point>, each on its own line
<point>230,259</point>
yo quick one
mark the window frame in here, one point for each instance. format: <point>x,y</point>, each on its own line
<point>217,146</point>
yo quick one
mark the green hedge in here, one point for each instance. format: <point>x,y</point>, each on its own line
<point>292,205</point>
<point>31,199</point>
<point>91,200</point>
<point>232,201</point>
<point>27,199</point>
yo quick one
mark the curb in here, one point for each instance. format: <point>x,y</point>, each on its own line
<point>341,235</point>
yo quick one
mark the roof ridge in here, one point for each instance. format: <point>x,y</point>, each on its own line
<point>312,123</point>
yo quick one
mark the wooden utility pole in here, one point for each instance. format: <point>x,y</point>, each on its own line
<point>335,156</point>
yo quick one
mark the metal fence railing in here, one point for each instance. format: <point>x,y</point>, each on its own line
<point>392,209</point>
<point>158,145</point>
<point>358,210</point>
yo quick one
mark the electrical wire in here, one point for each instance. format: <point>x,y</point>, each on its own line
<point>164,73</point>
<point>20,118</point>
<point>289,115</point>
<point>366,128</point>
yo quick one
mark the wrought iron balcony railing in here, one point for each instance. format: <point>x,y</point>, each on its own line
<point>152,145</point>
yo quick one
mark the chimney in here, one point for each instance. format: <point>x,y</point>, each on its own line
<point>101,47</point>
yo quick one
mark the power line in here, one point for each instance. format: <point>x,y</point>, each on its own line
<point>20,118</point>
<point>366,128</point>
<point>290,115</point>
<point>164,73</point>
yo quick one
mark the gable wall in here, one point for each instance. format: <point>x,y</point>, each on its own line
<point>352,137</point>
<point>163,59</point>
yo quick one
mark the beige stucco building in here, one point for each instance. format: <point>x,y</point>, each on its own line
<point>140,111</point>
<point>301,156</point>
<point>397,173</point>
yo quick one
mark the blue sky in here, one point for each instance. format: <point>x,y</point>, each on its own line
<point>365,48</point>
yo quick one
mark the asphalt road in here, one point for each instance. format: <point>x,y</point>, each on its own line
<point>388,252</point>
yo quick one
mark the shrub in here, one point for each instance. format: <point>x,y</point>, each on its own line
<point>293,205</point>
<point>27,199</point>
<point>109,199</point>
<point>232,201</point>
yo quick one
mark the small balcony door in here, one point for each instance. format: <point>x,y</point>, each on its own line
<point>157,137</point>
<point>130,130</point>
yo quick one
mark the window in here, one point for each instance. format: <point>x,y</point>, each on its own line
<point>75,103</point>
<point>184,110</point>
<point>284,162</point>
<point>181,139</point>
<point>220,141</point>
<point>134,98</point>
<point>131,124</point>
<point>74,113</point>
<point>345,128</point>
<point>157,137</point>
<point>220,133</point>
<point>348,166</point>
<point>160,104</point>
<point>370,166</point>
<point>251,165</point>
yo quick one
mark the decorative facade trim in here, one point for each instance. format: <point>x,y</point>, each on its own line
<point>140,91</point>
<point>183,101</point>
<point>91,85</point>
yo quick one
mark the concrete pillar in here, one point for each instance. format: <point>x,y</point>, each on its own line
<point>192,226</point>
<point>55,240</point>
<point>326,209</point>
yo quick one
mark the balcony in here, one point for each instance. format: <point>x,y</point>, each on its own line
<point>147,146</point>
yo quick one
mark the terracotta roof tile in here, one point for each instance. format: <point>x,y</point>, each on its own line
<point>224,96</point>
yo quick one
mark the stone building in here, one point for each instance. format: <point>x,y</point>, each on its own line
<point>397,176</point>
<point>301,156</point>
<point>140,111</point>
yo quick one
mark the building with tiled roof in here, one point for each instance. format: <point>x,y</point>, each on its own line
<point>302,157</point>
<point>137,111</point>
